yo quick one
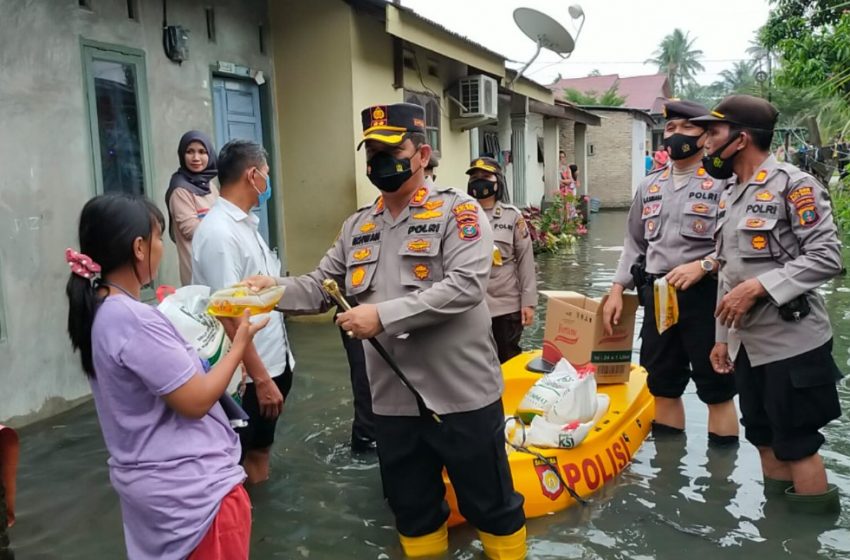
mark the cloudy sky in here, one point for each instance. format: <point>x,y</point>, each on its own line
<point>618,35</point>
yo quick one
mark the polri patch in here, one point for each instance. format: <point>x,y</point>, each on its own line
<point>808,215</point>
<point>469,231</point>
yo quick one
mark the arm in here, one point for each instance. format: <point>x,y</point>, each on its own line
<point>158,357</point>
<point>525,264</point>
<point>634,244</point>
<point>810,214</point>
<point>721,331</point>
<point>194,398</point>
<point>304,294</point>
<point>184,212</point>
<point>466,265</point>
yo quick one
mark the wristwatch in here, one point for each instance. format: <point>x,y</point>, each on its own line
<point>707,265</point>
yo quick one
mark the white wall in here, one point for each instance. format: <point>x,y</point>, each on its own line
<point>534,185</point>
<point>640,131</point>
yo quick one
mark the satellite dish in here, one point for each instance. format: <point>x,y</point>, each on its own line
<point>547,33</point>
<point>544,31</point>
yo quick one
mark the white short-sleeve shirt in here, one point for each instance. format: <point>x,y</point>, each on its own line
<point>227,248</point>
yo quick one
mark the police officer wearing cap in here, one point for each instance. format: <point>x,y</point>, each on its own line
<point>670,234</point>
<point>776,244</point>
<point>418,261</point>
<point>512,291</point>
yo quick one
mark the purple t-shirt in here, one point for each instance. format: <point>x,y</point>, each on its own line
<point>171,472</point>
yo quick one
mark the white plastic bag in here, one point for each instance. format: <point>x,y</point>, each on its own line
<point>577,402</point>
<point>543,433</point>
<point>186,308</point>
<point>548,390</point>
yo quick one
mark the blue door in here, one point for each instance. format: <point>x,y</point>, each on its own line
<point>236,104</point>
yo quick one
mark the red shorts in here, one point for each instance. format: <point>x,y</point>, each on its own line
<point>229,536</point>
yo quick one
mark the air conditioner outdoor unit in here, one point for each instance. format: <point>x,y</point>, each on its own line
<point>479,96</point>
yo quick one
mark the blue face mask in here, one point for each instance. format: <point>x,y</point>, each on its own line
<point>264,196</point>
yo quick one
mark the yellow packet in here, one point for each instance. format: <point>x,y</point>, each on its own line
<point>497,257</point>
<point>232,302</point>
<point>666,305</point>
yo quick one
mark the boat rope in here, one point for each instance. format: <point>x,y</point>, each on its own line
<point>548,461</point>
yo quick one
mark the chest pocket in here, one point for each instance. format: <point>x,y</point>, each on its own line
<point>755,237</point>
<point>651,216</point>
<point>504,240</point>
<point>699,220</point>
<point>420,261</point>
<point>360,268</point>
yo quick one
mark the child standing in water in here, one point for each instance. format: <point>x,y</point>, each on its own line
<point>173,457</point>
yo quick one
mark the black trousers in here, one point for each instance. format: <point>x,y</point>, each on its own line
<point>507,330</point>
<point>363,426</point>
<point>413,450</point>
<point>784,404</point>
<point>683,351</point>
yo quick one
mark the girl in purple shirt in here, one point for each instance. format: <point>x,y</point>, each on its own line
<point>173,457</point>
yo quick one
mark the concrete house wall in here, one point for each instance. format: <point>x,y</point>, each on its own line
<point>48,168</point>
<point>616,162</point>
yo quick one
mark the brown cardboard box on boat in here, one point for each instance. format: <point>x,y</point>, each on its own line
<point>574,331</point>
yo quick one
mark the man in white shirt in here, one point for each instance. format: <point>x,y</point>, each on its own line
<point>226,248</point>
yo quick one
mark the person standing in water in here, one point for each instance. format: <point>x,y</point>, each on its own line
<point>670,234</point>
<point>173,457</point>
<point>512,290</point>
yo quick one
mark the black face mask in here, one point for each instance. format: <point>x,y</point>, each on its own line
<point>388,173</point>
<point>682,146</point>
<point>481,188</point>
<point>718,167</point>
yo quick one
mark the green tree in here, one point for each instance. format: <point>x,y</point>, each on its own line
<point>812,39</point>
<point>592,98</point>
<point>677,57</point>
<point>708,95</point>
<point>740,78</point>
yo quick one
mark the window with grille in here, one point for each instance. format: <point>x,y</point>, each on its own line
<point>431,103</point>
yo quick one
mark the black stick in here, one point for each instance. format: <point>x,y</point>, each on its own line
<point>330,286</point>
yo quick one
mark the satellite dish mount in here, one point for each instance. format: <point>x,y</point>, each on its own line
<point>547,33</point>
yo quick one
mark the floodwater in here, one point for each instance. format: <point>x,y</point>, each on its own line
<point>678,499</point>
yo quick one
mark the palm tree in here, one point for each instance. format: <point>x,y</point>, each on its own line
<point>677,57</point>
<point>740,78</point>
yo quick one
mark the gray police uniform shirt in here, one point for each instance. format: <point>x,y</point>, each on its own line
<point>777,227</point>
<point>427,272</point>
<point>670,225</point>
<point>513,282</point>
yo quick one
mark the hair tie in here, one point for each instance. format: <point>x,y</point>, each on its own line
<point>82,265</point>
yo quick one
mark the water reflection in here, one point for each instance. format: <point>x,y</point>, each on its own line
<point>678,498</point>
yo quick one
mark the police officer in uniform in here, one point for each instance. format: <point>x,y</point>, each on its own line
<point>776,243</point>
<point>417,261</point>
<point>670,234</point>
<point>512,291</point>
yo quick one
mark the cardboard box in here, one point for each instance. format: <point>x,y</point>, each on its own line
<point>574,331</point>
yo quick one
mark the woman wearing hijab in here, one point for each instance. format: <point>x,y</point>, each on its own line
<point>190,195</point>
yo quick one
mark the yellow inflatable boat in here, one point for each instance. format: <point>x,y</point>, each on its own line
<point>607,449</point>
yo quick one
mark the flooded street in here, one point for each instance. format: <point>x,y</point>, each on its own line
<point>676,500</point>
